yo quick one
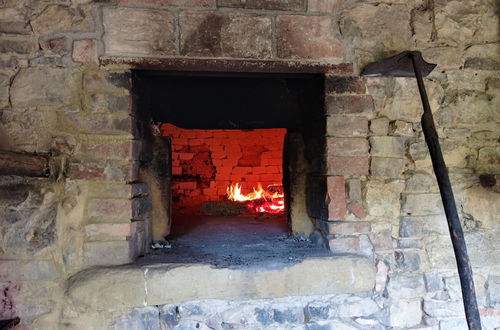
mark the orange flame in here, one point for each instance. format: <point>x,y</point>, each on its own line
<point>262,200</point>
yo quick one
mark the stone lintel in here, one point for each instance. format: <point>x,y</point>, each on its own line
<point>112,288</point>
<point>227,65</point>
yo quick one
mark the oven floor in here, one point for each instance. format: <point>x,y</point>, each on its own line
<point>234,242</point>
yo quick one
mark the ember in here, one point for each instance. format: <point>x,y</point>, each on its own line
<point>269,200</point>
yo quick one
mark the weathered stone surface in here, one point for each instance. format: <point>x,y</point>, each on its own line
<point>27,270</point>
<point>28,210</point>
<point>433,281</point>
<point>15,27</point>
<point>307,37</point>
<point>106,253</point>
<point>405,313</point>
<point>386,146</point>
<point>356,306</point>
<point>138,31</point>
<point>17,46</point>
<point>493,291</point>
<point>488,161</point>
<point>326,6</point>
<point>295,5</point>
<point>41,86</point>
<point>376,28</point>
<point>483,248</point>
<point>456,27</point>
<point>217,34</point>
<point>61,18</point>
<point>405,286</point>
<point>379,126</point>
<point>418,226</point>
<point>457,111</point>
<point>108,102</point>
<point>354,191</point>
<point>346,126</point>
<point>483,205</point>
<point>354,245</point>
<point>422,204</point>
<point>140,318</point>
<point>421,182</point>
<point>387,167</point>
<point>102,288</point>
<point>264,284</point>
<point>383,199</point>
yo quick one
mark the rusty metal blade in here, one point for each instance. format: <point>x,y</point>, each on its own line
<point>398,66</point>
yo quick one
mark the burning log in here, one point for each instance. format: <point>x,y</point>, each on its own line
<point>15,163</point>
<point>269,200</point>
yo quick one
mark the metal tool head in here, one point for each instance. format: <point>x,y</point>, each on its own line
<point>398,66</point>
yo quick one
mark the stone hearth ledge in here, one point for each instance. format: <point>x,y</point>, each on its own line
<point>112,288</point>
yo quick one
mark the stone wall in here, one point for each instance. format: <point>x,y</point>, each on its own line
<point>65,90</point>
<point>206,162</point>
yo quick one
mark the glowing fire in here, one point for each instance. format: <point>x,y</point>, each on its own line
<point>270,200</point>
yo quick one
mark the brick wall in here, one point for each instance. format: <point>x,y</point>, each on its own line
<point>206,162</point>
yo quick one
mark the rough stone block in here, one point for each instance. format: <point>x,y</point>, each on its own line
<point>357,209</point>
<point>99,123</point>
<point>41,86</point>
<point>343,84</point>
<point>347,165</point>
<point>422,204</point>
<point>443,309</point>
<point>346,126</point>
<point>433,281</point>
<point>17,46</point>
<point>354,191</point>
<point>387,146</point>
<point>349,104</point>
<point>85,51</point>
<point>407,260</point>
<point>405,286</point>
<point>382,239</point>
<point>402,128</point>
<point>138,31</point>
<point>106,253</point>
<point>379,126</point>
<point>421,182</point>
<point>405,313</point>
<point>356,307</point>
<point>61,18</point>
<point>100,288</point>
<point>139,318</point>
<point>488,160</point>
<point>418,226</point>
<point>386,167</point>
<point>307,37</point>
<point>493,291</point>
<point>292,5</point>
<point>108,103</point>
<point>346,146</point>
<point>225,35</point>
<point>27,270</point>
<point>383,199</point>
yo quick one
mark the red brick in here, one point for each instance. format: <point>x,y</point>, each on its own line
<point>85,51</point>
<point>336,197</point>
<point>307,37</point>
<point>347,165</point>
<point>357,209</point>
<point>103,170</point>
<point>346,126</point>
<point>343,84</point>
<point>349,104</point>
<point>338,146</point>
<point>225,35</point>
